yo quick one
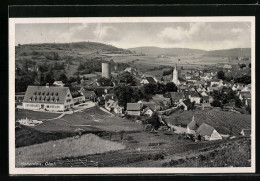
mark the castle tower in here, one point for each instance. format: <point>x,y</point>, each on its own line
<point>175,79</point>
<point>106,70</point>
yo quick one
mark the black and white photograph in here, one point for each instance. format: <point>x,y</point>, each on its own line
<point>132,95</point>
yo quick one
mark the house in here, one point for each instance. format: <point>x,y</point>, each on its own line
<point>194,96</point>
<point>101,100</point>
<point>119,110</point>
<point>176,97</point>
<point>110,105</point>
<point>160,99</point>
<point>217,82</point>
<point>227,66</point>
<point>186,104</point>
<point>58,83</point>
<point>134,109</point>
<point>203,93</point>
<point>192,126</point>
<point>206,106</point>
<point>246,132</point>
<point>244,96</point>
<point>90,95</point>
<point>77,96</point>
<point>48,98</point>
<point>148,80</point>
<point>207,132</point>
<point>153,105</point>
<point>148,112</point>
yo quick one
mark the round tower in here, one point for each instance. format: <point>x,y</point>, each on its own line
<point>106,70</point>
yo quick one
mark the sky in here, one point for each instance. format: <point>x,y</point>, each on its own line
<point>195,35</point>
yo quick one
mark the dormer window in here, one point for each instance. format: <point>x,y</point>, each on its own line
<point>47,93</point>
<point>52,93</point>
<point>39,93</point>
<point>43,93</point>
<point>35,93</point>
<point>57,94</point>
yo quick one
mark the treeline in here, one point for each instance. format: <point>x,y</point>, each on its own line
<point>127,94</point>
<point>95,65</point>
<point>225,96</point>
<point>245,79</point>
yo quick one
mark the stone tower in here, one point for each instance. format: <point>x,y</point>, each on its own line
<point>175,79</point>
<point>106,70</point>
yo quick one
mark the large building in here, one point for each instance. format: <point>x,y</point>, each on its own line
<point>175,78</point>
<point>48,98</point>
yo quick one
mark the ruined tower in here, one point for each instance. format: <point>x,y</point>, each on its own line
<point>175,79</point>
<point>106,70</point>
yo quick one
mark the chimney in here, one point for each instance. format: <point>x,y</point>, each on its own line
<point>47,85</point>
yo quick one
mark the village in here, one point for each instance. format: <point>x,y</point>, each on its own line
<point>120,95</point>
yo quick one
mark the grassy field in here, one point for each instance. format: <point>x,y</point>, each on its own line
<point>26,136</point>
<point>68,147</point>
<point>222,121</point>
<point>90,120</point>
<point>236,154</point>
<point>143,149</point>
<point>22,113</point>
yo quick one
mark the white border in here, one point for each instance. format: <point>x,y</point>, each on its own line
<point>119,170</point>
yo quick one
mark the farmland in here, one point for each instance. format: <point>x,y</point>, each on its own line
<point>222,121</point>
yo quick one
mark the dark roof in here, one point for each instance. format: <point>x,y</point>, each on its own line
<point>75,93</point>
<point>194,94</point>
<point>176,95</point>
<point>205,129</point>
<point>108,96</point>
<point>133,106</point>
<point>150,80</point>
<point>43,94</point>
<point>187,102</point>
<point>247,132</point>
<point>193,125</point>
<point>89,93</point>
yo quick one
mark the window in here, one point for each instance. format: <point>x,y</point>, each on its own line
<point>47,106</point>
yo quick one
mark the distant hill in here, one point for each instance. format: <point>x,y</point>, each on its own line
<point>75,46</point>
<point>236,52</point>
<point>166,51</point>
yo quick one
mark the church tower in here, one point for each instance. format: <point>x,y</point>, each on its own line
<point>175,79</point>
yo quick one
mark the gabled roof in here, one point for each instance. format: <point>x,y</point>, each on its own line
<point>75,93</point>
<point>247,132</point>
<point>150,80</point>
<point>58,82</point>
<point>246,95</point>
<point>194,94</point>
<point>107,97</point>
<point>193,125</point>
<point>187,102</point>
<point>176,95</point>
<point>89,93</point>
<point>133,106</point>
<point>43,94</point>
<point>205,130</point>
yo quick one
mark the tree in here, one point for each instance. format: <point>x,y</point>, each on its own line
<point>221,75</point>
<point>242,65</point>
<point>124,95</point>
<point>171,87</point>
<point>238,102</point>
<point>216,103</point>
<point>150,89</point>
<point>63,78</point>
<point>127,78</point>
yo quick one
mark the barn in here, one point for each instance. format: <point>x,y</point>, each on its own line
<point>207,132</point>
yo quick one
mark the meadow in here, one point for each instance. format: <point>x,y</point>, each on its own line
<point>68,147</point>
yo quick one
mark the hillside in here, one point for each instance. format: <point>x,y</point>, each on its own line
<point>90,46</point>
<point>236,52</point>
<point>155,51</point>
<point>222,121</point>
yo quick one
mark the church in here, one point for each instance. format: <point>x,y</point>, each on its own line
<point>175,78</point>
